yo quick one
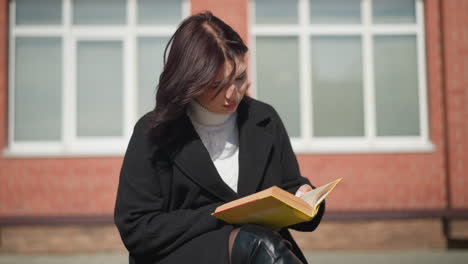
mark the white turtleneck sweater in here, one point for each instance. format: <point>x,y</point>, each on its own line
<point>220,135</point>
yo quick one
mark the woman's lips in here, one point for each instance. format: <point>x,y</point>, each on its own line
<point>230,105</point>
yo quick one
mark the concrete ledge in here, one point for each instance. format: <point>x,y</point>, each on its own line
<point>60,239</point>
<point>323,257</point>
<point>452,214</point>
<point>368,235</point>
<point>459,229</point>
<point>374,235</point>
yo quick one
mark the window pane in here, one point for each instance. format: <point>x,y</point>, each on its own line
<point>337,86</point>
<point>335,11</point>
<point>159,11</point>
<point>99,12</point>
<point>396,85</point>
<point>38,83</point>
<point>150,65</point>
<point>276,12</point>
<point>278,78</point>
<point>36,12</point>
<point>99,84</point>
<point>395,11</point>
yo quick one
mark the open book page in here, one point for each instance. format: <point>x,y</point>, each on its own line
<point>316,196</point>
<point>274,207</point>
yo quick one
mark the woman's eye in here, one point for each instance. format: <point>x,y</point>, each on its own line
<point>240,78</point>
<point>215,86</point>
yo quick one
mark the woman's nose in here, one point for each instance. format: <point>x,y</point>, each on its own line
<point>231,92</point>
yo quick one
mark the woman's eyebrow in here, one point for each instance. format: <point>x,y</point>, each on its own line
<point>242,73</point>
<point>217,83</point>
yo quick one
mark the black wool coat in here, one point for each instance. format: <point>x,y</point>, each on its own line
<point>164,202</point>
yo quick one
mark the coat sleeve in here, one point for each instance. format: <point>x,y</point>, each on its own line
<point>144,226</point>
<point>292,178</point>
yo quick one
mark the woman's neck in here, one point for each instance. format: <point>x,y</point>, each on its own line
<point>204,117</point>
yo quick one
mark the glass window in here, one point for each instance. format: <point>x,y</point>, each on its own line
<point>159,11</point>
<point>276,12</point>
<point>335,11</point>
<point>84,71</point>
<point>395,11</point>
<point>150,64</point>
<point>95,12</point>
<point>348,78</point>
<point>28,12</point>
<point>99,80</point>
<point>396,86</point>
<point>38,94</point>
<point>337,95</point>
<point>279,82</point>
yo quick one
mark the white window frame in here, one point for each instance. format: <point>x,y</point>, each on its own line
<point>70,144</point>
<point>307,143</point>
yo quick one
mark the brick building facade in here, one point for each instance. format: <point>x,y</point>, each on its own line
<point>386,200</point>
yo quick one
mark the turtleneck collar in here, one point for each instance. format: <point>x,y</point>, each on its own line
<point>204,117</point>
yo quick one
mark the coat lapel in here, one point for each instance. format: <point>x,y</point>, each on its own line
<point>194,161</point>
<point>255,144</point>
<point>254,147</point>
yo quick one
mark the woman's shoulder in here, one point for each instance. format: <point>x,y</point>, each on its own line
<point>144,121</point>
<point>142,130</point>
<point>264,114</point>
<point>143,124</point>
<point>259,109</point>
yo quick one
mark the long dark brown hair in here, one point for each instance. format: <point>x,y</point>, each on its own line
<point>198,50</point>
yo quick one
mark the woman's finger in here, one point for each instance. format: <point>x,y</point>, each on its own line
<point>303,189</point>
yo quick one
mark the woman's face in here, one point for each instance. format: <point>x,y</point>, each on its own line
<point>227,100</point>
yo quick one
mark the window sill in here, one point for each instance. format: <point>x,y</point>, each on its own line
<point>300,146</point>
<point>63,153</point>
<point>345,146</point>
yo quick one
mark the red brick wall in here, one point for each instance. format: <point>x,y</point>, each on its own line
<point>233,12</point>
<point>64,186</point>
<point>416,181</point>
<point>70,186</point>
<point>379,181</point>
<point>455,38</point>
<point>86,186</point>
<point>50,186</point>
<point>393,181</point>
<point>3,72</point>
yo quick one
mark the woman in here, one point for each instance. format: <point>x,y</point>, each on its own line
<point>205,144</point>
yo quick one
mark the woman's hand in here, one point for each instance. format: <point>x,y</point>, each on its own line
<point>303,189</point>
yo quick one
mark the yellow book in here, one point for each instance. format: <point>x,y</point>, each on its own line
<point>274,207</point>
